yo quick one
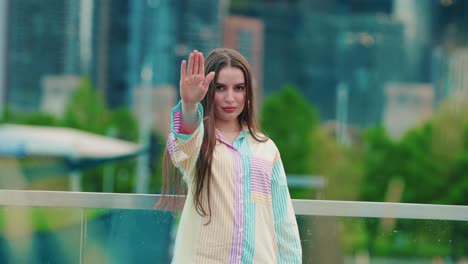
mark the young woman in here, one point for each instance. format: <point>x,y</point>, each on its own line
<point>238,208</point>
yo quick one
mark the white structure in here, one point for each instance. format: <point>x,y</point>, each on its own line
<point>152,107</point>
<point>163,99</point>
<point>416,16</point>
<point>457,77</point>
<point>407,105</point>
<point>56,92</point>
<point>68,143</point>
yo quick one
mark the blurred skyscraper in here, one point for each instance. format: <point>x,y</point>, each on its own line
<point>109,41</point>
<point>449,33</point>
<point>368,55</point>
<point>200,24</point>
<point>316,45</point>
<point>131,35</point>
<point>457,75</point>
<point>416,17</point>
<point>199,27</point>
<point>126,37</point>
<point>246,35</point>
<point>3,39</point>
<point>41,40</point>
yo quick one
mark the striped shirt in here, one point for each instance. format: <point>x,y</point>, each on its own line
<point>252,218</point>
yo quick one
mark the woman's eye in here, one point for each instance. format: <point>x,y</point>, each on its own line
<point>240,87</point>
<point>219,87</point>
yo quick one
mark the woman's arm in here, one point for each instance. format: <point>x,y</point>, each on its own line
<point>193,87</point>
<point>186,135</point>
<point>286,230</point>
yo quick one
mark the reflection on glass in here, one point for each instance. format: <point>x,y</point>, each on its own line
<point>372,240</point>
<point>128,236</point>
<point>40,235</point>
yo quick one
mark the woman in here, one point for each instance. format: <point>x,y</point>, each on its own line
<point>238,208</point>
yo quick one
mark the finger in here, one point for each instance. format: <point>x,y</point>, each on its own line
<point>196,61</point>
<point>183,70</point>
<point>208,79</point>
<point>202,64</point>
<point>190,64</point>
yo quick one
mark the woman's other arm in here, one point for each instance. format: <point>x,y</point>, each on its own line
<point>287,233</point>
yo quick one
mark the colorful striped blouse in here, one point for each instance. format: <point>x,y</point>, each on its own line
<point>253,220</point>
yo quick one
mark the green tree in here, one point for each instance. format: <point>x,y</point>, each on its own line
<point>87,110</point>
<point>340,165</point>
<point>124,124</point>
<point>289,119</point>
<point>431,162</point>
<point>36,118</point>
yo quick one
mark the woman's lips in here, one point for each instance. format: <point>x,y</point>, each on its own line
<point>229,109</point>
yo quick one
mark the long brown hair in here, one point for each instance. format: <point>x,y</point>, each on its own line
<point>215,61</point>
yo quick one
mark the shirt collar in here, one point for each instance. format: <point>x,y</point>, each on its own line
<point>243,133</point>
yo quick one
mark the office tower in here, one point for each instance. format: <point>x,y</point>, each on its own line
<point>199,27</point>
<point>40,37</point>
<point>457,77</point>
<point>416,17</point>
<point>246,36</point>
<point>368,55</point>
<point>302,47</point>
<point>3,39</point>
<point>448,37</point>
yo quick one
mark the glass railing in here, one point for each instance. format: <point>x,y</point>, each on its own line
<point>78,227</point>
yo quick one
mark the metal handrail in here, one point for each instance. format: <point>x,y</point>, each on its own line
<point>64,199</point>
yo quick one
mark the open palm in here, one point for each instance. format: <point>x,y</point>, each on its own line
<point>193,82</point>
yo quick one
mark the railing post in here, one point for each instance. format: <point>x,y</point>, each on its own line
<point>84,231</point>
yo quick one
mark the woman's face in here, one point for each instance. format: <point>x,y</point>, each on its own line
<point>230,93</point>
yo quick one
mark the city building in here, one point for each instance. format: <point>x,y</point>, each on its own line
<point>407,106</point>
<point>368,54</point>
<point>246,36</point>
<point>40,40</point>
<point>320,45</point>
<point>457,77</point>
<point>449,74</point>
<point>3,39</point>
<point>416,18</point>
<point>126,37</point>
<point>200,25</point>
<point>152,42</point>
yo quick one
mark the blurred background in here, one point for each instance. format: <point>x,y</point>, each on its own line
<point>367,100</point>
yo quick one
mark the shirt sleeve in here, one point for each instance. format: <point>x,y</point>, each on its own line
<point>286,230</point>
<point>183,148</point>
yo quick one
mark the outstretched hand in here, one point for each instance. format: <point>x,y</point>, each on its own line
<point>193,82</point>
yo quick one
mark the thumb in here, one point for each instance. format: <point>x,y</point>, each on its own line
<point>208,79</point>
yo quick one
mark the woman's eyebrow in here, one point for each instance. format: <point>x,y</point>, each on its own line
<point>242,83</point>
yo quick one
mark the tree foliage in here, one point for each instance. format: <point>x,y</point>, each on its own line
<point>289,119</point>
<point>37,118</point>
<point>431,161</point>
<point>87,110</point>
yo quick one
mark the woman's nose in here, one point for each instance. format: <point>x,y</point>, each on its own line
<point>229,95</point>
